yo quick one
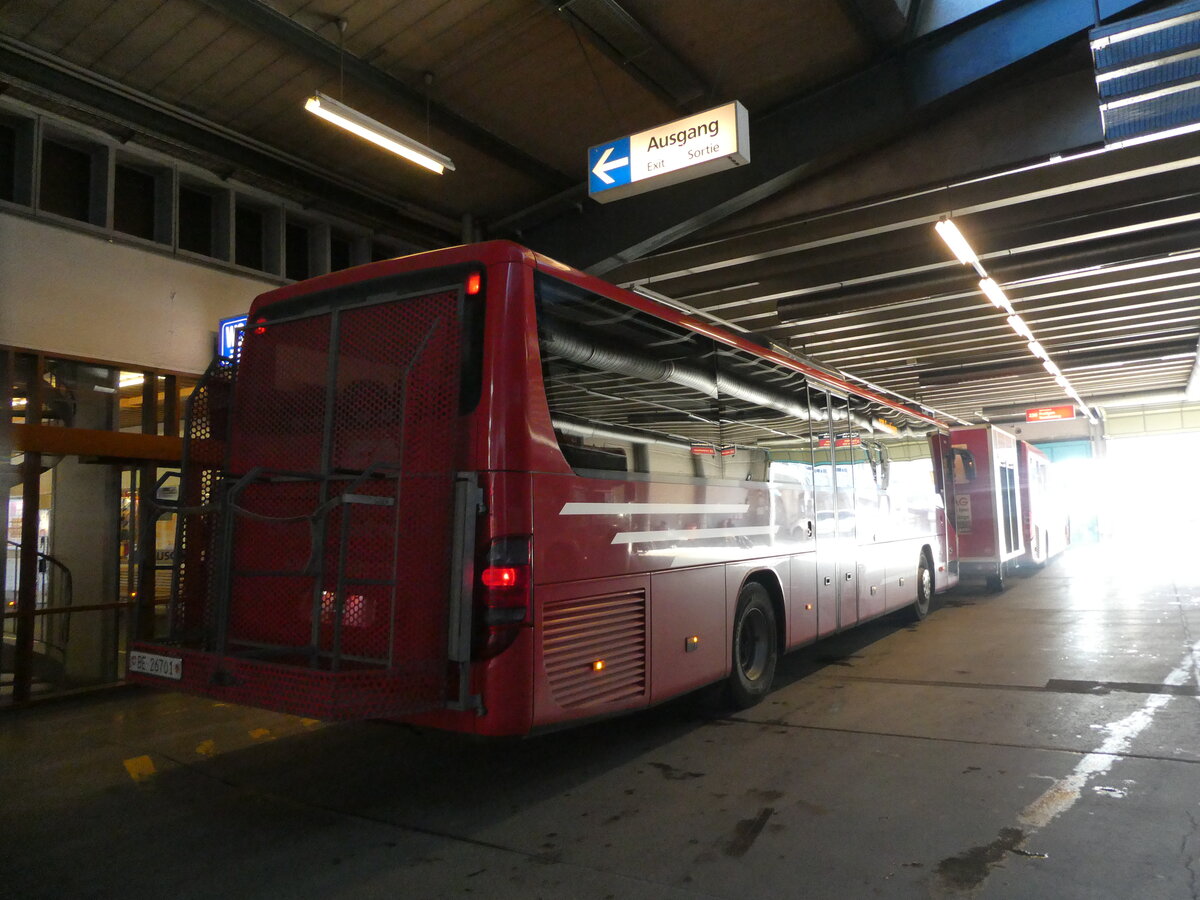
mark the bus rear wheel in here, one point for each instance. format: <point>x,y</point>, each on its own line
<point>755,647</point>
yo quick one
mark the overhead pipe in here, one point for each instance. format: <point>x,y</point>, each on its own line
<point>584,429</point>
<point>562,342</point>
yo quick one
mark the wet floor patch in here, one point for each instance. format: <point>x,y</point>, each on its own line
<point>1071,686</point>
<point>968,870</point>
<point>838,660</point>
<point>747,832</point>
<point>673,774</point>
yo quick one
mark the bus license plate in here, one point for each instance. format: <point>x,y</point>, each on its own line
<point>153,664</point>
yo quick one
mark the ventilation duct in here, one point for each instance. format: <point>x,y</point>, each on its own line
<point>563,342</point>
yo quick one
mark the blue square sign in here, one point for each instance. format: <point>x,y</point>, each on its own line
<point>608,165</point>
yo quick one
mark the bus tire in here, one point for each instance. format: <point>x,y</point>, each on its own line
<point>755,647</point>
<point>920,607</point>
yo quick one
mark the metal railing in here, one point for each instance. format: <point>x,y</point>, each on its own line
<point>54,596</point>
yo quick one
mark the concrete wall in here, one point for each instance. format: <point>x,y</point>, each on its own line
<point>66,292</point>
<point>1174,418</point>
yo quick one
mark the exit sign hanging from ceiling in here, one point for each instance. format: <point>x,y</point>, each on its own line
<point>1049,413</point>
<point>687,148</point>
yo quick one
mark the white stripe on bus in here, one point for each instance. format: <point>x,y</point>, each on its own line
<point>664,509</point>
<point>688,534</point>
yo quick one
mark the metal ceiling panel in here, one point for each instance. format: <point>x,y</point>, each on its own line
<point>760,55</point>
<point>1099,254</point>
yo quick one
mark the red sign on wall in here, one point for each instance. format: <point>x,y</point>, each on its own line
<point>1049,413</point>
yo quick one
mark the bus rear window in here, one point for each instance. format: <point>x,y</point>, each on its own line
<point>464,314</point>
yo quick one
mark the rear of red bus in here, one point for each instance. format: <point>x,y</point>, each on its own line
<point>1044,520</point>
<point>356,528</point>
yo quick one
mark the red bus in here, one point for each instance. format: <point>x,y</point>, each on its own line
<point>1044,523</point>
<point>476,489</point>
<point>987,500</point>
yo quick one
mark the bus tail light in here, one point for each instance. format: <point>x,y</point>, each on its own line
<point>503,594</point>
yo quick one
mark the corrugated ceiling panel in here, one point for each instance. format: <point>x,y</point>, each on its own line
<point>541,86</point>
<point>62,24</point>
<point>761,54</point>
<point>171,70</point>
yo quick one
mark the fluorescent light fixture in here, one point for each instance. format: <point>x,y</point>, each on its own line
<point>996,294</point>
<point>1017,324</point>
<point>956,242</point>
<point>377,133</point>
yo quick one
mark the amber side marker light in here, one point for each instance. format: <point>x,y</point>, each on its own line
<point>598,666</point>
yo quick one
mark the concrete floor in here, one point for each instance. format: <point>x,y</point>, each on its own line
<point>1044,742</point>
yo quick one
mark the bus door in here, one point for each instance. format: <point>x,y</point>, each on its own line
<point>837,592</point>
<point>844,450</point>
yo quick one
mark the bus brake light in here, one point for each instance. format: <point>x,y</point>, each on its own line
<point>500,576</point>
<point>474,283</point>
<point>502,595</point>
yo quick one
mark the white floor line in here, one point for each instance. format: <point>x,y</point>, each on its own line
<point>1063,794</point>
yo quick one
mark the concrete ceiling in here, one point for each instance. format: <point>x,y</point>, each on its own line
<point>865,130</point>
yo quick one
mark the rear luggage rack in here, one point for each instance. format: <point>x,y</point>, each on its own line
<point>316,591</point>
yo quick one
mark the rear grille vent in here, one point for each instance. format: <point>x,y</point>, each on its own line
<point>580,632</point>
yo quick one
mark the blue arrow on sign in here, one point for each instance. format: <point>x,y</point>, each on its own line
<point>608,165</point>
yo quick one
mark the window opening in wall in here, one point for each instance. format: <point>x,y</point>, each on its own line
<point>340,252</point>
<point>249,237</point>
<point>66,184</point>
<point>129,398</point>
<point>135,201</point>
<point>296,251</point>
<point>197,220</point>
<point>8,162</point>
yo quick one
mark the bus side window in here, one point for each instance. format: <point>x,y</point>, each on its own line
<point>588,456</point>
<point>964,465</point>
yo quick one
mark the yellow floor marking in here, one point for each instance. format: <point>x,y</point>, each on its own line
<point>260,733</point>
<point>140,768</point>
<point>309,723</point>
<point>207,748</point>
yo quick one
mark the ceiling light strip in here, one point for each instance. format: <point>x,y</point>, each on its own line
<point>377,133</point>
<point>962,250</point>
